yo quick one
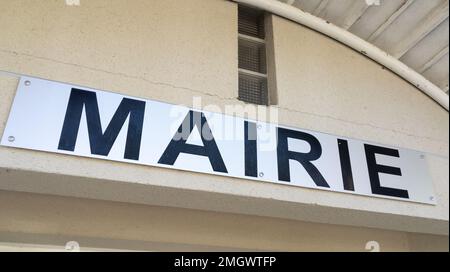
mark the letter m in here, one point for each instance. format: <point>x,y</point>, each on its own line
<point>100,142</point>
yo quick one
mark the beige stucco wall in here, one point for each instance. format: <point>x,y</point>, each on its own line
<point>173,50</point>
<point>102,224</point>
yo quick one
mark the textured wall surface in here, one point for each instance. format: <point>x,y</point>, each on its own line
<point>103,224</point>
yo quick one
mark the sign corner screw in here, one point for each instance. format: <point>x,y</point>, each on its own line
<point>27,83</point>
<point>261,174</point>
<point>11,139</point>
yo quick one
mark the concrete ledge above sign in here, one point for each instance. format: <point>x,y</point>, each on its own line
<point>72,120</point>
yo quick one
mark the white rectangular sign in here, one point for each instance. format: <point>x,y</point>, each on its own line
<point>62,118</point>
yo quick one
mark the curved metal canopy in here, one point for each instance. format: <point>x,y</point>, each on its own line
<point>414,31</point>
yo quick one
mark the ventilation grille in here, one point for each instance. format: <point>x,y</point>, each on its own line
<point>251,22</point>
<point>252,57</point>
<point>253,89</point>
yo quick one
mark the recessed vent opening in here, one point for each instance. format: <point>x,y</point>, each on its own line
<point>252,57</point>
